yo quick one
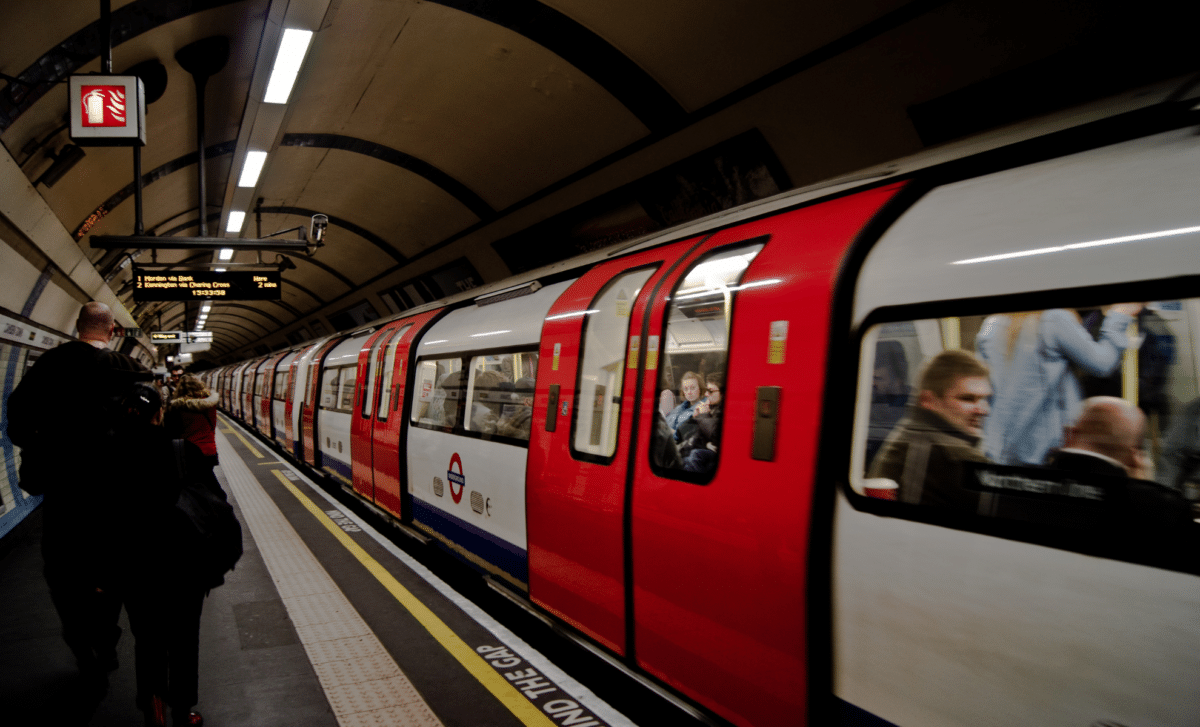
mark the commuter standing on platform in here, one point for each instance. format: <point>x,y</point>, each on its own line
<point>61,415</point>
<point>192,415</point>
<point>160,561</point>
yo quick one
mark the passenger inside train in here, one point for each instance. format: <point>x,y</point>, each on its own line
<point>1036,428</point>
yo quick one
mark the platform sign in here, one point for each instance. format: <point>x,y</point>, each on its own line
<point>156,285</point>
<point>181,337</point>
<point>107,110</point>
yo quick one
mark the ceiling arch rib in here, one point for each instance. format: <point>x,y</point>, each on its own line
<point>176,164</point>
<point>617,73</point>
<point>447,183</point>
<point>223,316</point>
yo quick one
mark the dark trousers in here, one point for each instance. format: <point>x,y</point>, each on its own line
<point>165,619</point>
<point>88,615</point>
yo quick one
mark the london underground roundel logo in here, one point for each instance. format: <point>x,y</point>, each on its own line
<point>457,479</point>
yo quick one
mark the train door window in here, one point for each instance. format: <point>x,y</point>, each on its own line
<point>691,379</point>
<point>1080,421</point>
<point>386,404</point>
<point>372,367</point>
<point>329,388</point>
<point>281,381</point>
<point>349,374</point>
<point>500,394</point>
<point>602,366</point>
<point>258,385</point>
<point>439,389</point>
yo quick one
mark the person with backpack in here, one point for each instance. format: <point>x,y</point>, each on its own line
<point>175,539</point>
<point>62,416</point>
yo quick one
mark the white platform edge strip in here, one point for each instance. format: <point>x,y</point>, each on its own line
<point>337,640</point>
<point>514,643</point>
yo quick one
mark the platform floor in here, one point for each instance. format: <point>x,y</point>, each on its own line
<point>324,622</point>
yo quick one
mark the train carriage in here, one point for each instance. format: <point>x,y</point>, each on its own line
<point>768,578</point>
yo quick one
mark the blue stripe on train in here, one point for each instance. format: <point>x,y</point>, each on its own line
<point>338,468</point>
<point>500,553</point>
<point>852,716</point>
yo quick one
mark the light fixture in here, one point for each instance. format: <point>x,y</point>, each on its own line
<point>206,307</point>
<point>219,270</point>
<point>236,219</point>
<point>226,254</point>
<point>251,168</point>
<point>292,48</point>
<point>1081,245</point>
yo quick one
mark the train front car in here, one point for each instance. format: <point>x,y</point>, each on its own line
<point>1009,584</point>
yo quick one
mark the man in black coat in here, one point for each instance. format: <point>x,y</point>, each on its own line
<point>1145,520</point>
<point>61,415</point>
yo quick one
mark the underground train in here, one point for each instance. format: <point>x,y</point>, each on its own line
<point>524,427</point>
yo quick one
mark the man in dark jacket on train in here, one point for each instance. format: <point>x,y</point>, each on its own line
<point>61,415</point>
<point>942,429</point>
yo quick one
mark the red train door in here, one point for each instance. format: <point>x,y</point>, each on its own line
<point>362,421</point>
<point>308,411</point>
<point>720,531</point>
<point>266,395</point>
<point>577,473</point>
<point>389,423</point>
<point>293,402</point>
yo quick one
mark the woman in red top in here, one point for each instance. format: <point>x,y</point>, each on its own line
<point>192,415</point>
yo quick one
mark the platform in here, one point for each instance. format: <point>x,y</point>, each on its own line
<point>324,622</point>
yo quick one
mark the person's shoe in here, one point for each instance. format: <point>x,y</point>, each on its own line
<point>191,719</point>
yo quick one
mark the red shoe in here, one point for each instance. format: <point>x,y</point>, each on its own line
<point>191,719</point>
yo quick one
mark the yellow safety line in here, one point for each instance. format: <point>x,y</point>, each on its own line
<point>253,451</point>
<point>508,695</point>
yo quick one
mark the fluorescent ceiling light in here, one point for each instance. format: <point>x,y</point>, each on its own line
<point>292,48</point>
<point>219,270</point>
<point>206,307</point>
<point>251,168</point>
<point>236,219</point>
<point>226,254</point>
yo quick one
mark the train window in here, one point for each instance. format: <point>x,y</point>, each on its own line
<point>389,365</point>
<point>691,379</point>
<point>500,394</point>
<point>602,366</point>
<point>281,380</point>
<point>349,374</point>
<point>439,389</point>
<point>329,388</point>
<point>258,384</point>
<point>1081,419</point>
<point>372,368</point>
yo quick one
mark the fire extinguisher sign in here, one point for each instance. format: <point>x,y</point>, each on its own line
<point>107,110</point>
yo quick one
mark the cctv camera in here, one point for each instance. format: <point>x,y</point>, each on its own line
<point>319,223</point>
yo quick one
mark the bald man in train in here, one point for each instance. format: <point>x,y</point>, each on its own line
<point>60,415</point>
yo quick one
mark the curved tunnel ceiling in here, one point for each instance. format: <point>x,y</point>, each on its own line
<point>447,137</point>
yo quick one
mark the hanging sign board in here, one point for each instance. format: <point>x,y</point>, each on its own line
<point>107,110</point>
<point>156,285</point>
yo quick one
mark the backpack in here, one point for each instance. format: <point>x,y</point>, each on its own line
<point>217,536</point>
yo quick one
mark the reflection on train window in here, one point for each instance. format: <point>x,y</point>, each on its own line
<point>281,382</point>
<point>602,365</point>
<point>1077,418</point>
<point>691,379</point>
<point>348,376</point>
<point>438,383</point>
<point>386,402</point>
<point>329,388</point>
<point>500,394</point>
